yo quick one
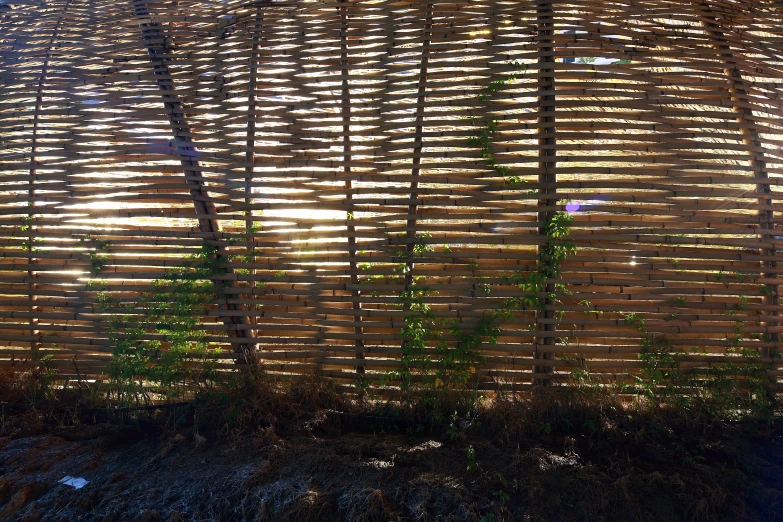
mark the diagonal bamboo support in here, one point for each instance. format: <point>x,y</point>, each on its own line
<point>250,145</point>
<point>410,233</point>
<point>239,325</point>
<point>31,192</point>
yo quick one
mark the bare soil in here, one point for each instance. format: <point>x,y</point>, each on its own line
<point>336,472</point>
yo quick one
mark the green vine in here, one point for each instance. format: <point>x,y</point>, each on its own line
<point>25,231</point>
<point>662,379</point>
<point>429,358</point>
<point>444,357</point>
<point>739,390</point>
<point>553,252</point>
<point>483,139</point>
<point>440,357</point>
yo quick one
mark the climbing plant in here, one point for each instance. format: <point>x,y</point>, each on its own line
<point>445,356</point>
<point>662,379</point>
<point>483,138</point>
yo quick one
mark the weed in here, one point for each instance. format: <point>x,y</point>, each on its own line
<point>472,462</point>
<point>501,496</point>
<point>160,339</point>
<point>734,387</point>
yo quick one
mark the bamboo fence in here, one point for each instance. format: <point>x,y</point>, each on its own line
<point>323,140</point>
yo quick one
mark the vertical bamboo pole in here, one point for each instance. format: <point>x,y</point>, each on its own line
<point>250,152</point>
<point>347,154</point>
<point>547,163</point>
<point>158,50</point>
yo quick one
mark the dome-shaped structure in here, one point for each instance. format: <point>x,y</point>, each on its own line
<point>385,179</point>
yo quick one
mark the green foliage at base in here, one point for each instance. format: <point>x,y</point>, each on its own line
<point>726,388</point>
<point>160,339</point>
<point>441,359</point>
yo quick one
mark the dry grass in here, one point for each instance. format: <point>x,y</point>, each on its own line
<point>267,448</point>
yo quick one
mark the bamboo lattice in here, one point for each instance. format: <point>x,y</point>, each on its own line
<point>325,140</point>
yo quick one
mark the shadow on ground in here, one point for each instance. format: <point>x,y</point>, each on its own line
<point>340,475</point>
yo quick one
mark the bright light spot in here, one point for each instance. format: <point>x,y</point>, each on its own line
<point>430,444</point>
<point>572,206</point>
<point>380,464</point>
<point>307,213</point>
<point>105,204</point>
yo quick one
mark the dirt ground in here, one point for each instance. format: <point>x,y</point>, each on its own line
<point>340,474</point>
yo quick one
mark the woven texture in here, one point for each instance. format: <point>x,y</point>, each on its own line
<point>327,144</point>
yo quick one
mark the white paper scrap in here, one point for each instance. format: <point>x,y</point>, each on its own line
<point>76,482</point>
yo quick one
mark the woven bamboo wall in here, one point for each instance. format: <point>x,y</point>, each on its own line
<point>339,129</point>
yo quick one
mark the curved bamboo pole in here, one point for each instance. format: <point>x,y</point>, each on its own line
<point>250,153</point>
<point>410,228</point>
<point>757,161</point>
<point>31,274</point>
